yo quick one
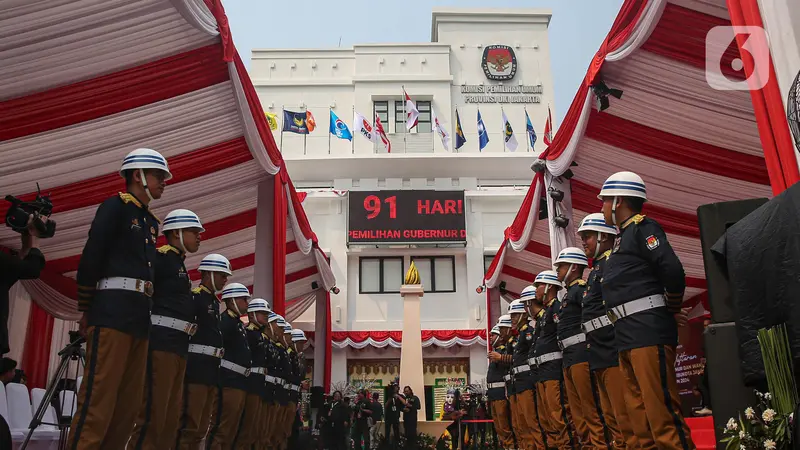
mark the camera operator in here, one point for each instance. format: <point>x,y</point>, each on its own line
<point>26,264</point>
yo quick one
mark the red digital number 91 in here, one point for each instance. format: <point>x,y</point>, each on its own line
<point>372,204</point>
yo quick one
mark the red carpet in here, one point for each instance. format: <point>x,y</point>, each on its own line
<point>702,432</point>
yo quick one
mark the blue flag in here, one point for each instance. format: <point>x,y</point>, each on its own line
<point>530,130</point>
<point>483,137</point>
<point>339,128</point>
<point>295,122</point>
<point>460,139</point>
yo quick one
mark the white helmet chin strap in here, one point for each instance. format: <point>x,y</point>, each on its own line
<point>597,246</point>
<point>213,282</point>
<point>614,210</point>
<point>236,307</point>
<point>180,235</point>
<point>144,183</point>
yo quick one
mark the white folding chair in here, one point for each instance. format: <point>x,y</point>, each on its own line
<point>20,413</point>
<point>49,418</point>
<point>78,384</point>
<point>69,403</point>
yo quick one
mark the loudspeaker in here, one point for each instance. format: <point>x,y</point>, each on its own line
<point>714,220</point>
<point>729,395</point>
<point>317,397</point>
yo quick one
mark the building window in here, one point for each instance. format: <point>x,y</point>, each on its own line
<point>487,261</point>
<point>382,111</point>
<point>399,116</point>
<point>380,275</point>
<point>438,273</point>
<point>424,122</point>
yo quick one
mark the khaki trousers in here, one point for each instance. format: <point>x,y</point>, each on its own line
<point>113,383</point>
<point>266,430</point>
<point>248,428</point>
<point>612,391</point>
<point>580,395</point>
<point>653,396</point>
<point>501,414</point>
<point>160,413</point>
<point>199,400</point>
<point>555,415</point>
<point>288,424</point>
<point>225,420</point>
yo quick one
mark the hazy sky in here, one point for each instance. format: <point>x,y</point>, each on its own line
<point>576,29</point>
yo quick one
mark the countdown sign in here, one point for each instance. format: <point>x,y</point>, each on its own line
<point>406,217</point>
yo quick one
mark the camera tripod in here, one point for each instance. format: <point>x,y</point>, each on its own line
<point>72,352</point>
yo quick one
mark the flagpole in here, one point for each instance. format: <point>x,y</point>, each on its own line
<point>502,116</point>
<point>433,124</point>
<point>455,123</point>
<point>330,111</point>
<point>527,133</point>
<point>305,136</point>
<point>353,138</point>
<point>283,124</point>
<point>405,114</point>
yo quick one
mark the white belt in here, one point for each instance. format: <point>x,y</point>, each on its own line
<point>241,370</point>
<point>126,284</point>
<point>281,382</point>
<point>636,306</point>
<point>507,377</point>
<point>572,340</point>
<point>206,350</point>
<point>293,387</point>
<point>273,380</point>
<point>521,369</point>
<point>595,324</point>
<point>175,324</point>
<point>547,357</point>
<point>258,370</point>
<point>499,384</point>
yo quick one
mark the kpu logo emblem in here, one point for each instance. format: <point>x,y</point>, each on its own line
<point>499,62</point>
<point>737,58</point>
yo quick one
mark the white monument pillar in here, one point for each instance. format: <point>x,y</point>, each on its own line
<point>411,373</point>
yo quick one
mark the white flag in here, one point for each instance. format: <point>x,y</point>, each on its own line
<point>363,127</point>
<point>412,113</point>
<point>441,131</point>
<point>508,134</point>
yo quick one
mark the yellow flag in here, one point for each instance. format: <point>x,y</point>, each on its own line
<point>272,119</point>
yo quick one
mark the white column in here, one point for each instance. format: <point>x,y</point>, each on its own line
<point>478,363</point>
<point>320,338</point>
<point>262,276</point>
<point>411,352</point>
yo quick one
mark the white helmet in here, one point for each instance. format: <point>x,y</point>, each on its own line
<point>504,321</point>
<point>298,336</point>
<point>281,321</point>
<point>495,330</point>
<point>596,222</point>
<point>272,317</point>
<point>287,328</point>
<point>572,255</point>
<point>528,294</point>
<point>516,307</point>
<point>623,184</point>
<point>216,263</point>
<point>144,158</point>
<point>179,219</point>
<point>547,277</point>
<point>234,290</point>
<point>257,304</point>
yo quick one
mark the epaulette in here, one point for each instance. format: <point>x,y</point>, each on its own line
<point>278,344</point>
<point>524,327</point>
<point>551,301</point>
<point>637,219</point>
<point>605,254</point>
<point>130,198</point>
<point>540,313</point>
<point>252,327</point>
<point>168,248</point>
<point>579,282</point>
<point>502,347</point>
<point>232,314</point>
<point>196,290</point>
<point>289,350</point>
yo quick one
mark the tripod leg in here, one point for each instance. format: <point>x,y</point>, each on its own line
<point>48,396</point>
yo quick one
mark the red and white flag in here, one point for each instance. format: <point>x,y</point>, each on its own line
<point>412,113</point>
<point>548,128</point>
<point>381,133</point>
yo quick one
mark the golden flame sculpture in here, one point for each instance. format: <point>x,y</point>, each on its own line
<point>412,276</point>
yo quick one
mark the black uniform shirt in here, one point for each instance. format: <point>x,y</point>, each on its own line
<point>523,381</point>
<point>122,243</point>
<point>294,376</point>
<point>204,369</point>
<point>173,298</point>
<point>283,372</point>
<point>258,357</point>
<point>495,374</point>
<point>509,354</point>
<point>643,264</point>
<point>547,341</point>
<point>569,323</point>
<point>234,338</point>
<point>271,353</point>
<point>532,351</point>
<point>600,343</point>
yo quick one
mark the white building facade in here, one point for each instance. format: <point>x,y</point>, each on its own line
<point>447,74</point>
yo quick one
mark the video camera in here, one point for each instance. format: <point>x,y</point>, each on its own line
<point>19,212</point>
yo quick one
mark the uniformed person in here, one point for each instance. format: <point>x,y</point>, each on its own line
<point>274,383</point>
<point>555,414</point>
<point>643,286</point>
<point>570,265</point>
<point>257,312</point>
<point>522,405</point>
<point>205,352</point>
<point>288,410</point>
<point>299,369</point>
<point>234,370</point>
<point>598,238</point>
<point>507,358</point>
<point>173,322</point>
<point>115,283</point>
<point>496,385</point>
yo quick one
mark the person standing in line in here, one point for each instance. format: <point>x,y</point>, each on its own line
<point>377,417</point>
<point>339,420</point>
<point>205,352</point>
<point>411,407</point>
<point>362,413</point>
<point>115,284</point>
<point>257,311</point>
<point>296,340</point>
<point>643,286</point>
<point>289,407</point>
<point>525,424</point>
<point>598,239</point>
<point>552,396</point>
<point>496,385</point>
<point>272,384</point>
<point>234,370</point>
<point>173,319</point>
<point>394,406</point>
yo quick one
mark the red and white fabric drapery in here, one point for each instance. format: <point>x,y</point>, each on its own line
<point>394,339</point>
<point>94,81</point>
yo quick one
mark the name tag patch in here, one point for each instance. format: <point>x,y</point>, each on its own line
<point>652,242</point>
